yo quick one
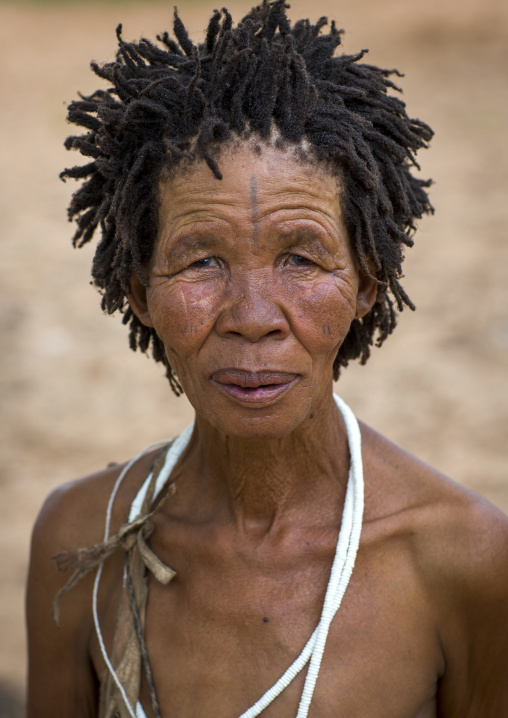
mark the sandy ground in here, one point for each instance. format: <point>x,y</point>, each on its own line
<point>74,396</point>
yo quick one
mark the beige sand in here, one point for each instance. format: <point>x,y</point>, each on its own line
<point>75,397</point>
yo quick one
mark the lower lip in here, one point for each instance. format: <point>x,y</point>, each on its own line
<point>258,396</point>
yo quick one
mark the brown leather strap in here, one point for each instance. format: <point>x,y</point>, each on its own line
<point>129,649</point>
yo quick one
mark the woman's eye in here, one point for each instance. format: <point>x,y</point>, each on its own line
<point>206,262</point>
<point>298,261</point>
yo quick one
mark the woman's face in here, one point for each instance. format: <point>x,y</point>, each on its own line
<point>252,289</point>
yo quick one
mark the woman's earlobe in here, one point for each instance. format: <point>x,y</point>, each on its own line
<point>138,300</point>
<point>367,294</point>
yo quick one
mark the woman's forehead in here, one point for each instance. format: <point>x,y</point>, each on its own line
<point>256,179</point>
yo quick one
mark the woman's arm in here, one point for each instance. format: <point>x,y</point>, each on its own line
<point>474,630</point>
<point>61,678</point>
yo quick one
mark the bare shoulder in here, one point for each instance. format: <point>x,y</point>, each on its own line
<point>457,543</point>
<point>61,676</point>
<point>73,516</point>
<point>450,523</point>
<point>451,528</point>
<point>74,512</point>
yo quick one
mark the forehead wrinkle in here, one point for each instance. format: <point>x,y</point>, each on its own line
<point>248,199</point>
<point>317,223</point>
<point>280,197</point>
<point>198,209</point>
<point>309,213</point>
<point>201,220</point>
<point>200,190</point>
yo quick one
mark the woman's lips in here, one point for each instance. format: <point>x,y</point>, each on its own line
<point>252,379</point>
<point>253,387</point>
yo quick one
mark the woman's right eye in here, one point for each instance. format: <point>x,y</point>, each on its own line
<point>206,262</point>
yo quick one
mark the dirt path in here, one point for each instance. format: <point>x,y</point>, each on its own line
<point>74,397</point>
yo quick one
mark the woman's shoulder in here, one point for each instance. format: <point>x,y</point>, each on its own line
<point>458,539</point>
<point>73,515</point>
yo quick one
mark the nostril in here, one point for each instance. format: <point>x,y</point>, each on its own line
<point>253,318</point>
<point>254,336</point>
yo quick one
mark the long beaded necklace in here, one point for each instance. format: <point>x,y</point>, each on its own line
<point>342,567</point>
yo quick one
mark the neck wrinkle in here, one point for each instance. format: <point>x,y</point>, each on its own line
<point>253,483</point>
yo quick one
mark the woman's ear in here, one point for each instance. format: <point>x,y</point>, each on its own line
<point>367,294</point>
<point>138,301</point>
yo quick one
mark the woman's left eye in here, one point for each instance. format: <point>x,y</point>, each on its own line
<point>206,262</point>
<point>298,261</point>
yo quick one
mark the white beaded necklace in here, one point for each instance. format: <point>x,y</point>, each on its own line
<point>342,567</point>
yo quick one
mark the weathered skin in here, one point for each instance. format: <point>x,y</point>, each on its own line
<point>254,272</point>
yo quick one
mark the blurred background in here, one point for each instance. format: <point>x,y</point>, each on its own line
<point>73,396</point>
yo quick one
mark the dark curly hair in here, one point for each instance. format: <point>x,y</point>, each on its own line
<point>181,101</point>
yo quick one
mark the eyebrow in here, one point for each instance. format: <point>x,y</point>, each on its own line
<point>296,237</point>
<point>306,238</point>
<point>191,244</point>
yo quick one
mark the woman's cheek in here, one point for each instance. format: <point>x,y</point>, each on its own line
<point>324,314</point>
<point>182,312</point>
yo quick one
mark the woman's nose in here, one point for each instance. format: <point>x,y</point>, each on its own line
<point>253,312</point>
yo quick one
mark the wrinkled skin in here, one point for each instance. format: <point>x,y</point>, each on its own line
<point>252,288</point>
<point>253,272</point>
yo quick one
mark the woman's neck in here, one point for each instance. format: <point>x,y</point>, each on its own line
<point>253,482</point>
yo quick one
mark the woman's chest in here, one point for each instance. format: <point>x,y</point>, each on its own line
<point>219,639</point>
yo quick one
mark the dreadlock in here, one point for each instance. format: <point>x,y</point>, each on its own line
<point>181,101</point>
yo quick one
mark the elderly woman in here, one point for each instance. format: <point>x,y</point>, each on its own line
<point>254,197</point>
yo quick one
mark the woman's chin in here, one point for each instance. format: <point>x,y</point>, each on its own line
<point>263,430</point>
<point>246,423</point>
